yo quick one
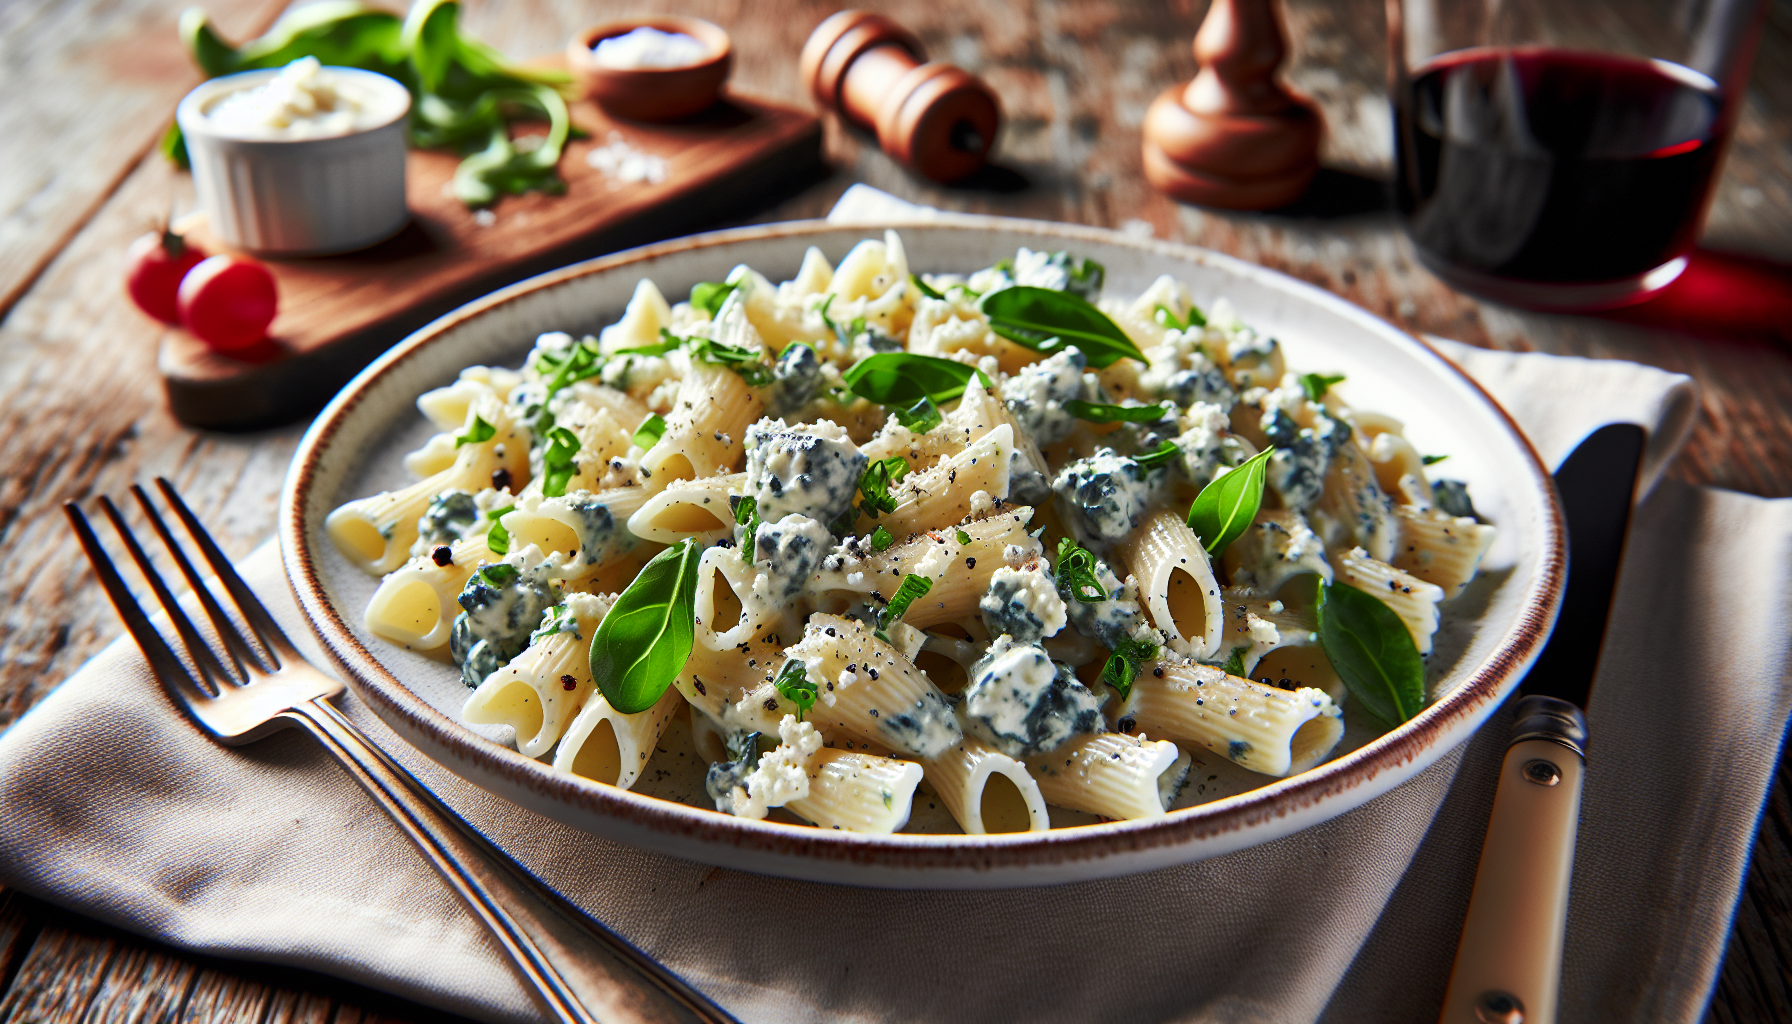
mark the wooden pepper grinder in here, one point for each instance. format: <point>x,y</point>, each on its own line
<point>1234,137</point>
<point>936,119</point>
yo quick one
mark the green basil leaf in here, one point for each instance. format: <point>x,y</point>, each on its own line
<point>1097,412</point>
<point>650,431</point>
<point>1317,384</point>
<point>1076,570</point>
<point>904,378</point>
<point>1164,452</point>
<point>746,513</point>
<point>744,362</point>
<point>559,462</point>
<point>875,484</point>
<point>913,589</point>
<point>795,686</point>
<point>558,619</point>
<point>646,638</point>
<point>1432,460</point>
<point>668,341</point>
<point>1225,507</point>
<point>1234,665</point>
<point>479,431</point>
<point>1373,652</point>
<point>1123,666</point>
<point>963,537</point>
<point>498,538</point>
<point>709,296</point>
<point>881,538</point>
<point>924,288</point>
<point>1046,321</point>
<point>579,363</point>
<point>1167,318</point>
<point>499,574</point>
<point>920,417</point>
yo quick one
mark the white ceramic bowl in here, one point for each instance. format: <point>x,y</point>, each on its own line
<point>1491,632</point>
<point>300,196</point>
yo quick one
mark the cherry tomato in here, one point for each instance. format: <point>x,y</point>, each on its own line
<point>228,302</point>
<point>153,267</point>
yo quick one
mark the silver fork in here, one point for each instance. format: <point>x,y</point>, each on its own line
<point>582,972</point>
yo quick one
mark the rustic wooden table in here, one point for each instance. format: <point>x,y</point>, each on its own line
<point>89,85</point>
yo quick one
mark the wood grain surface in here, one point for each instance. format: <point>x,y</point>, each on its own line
<point>81,413</point>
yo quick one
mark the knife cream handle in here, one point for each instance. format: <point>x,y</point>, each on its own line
<point>1509,962</point>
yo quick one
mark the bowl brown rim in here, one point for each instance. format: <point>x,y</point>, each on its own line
<point>1395,751</point>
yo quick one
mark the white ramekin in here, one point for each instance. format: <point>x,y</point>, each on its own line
<point>294,197</point>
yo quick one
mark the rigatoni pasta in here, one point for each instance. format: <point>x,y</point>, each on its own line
<point>932,550</point>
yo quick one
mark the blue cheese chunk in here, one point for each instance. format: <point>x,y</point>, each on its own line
<point>1023,604</point>
<point>1103,498</point>
<point>1208,444</point>
<point>1296,472</point>
<point>446,520</point>
<point>503,605</point>
<point>1023,703</point>
<point>792,550</point>
<point>1036,395</point>
<point>1274,549</point>
<point>796,379</point>
<point>810,469</point>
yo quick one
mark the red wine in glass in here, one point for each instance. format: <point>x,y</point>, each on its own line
<point>1556,178</point>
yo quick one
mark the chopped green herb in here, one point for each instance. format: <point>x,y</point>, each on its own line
<point>478,432</point>
<point>1046,321</point>
<point>1317,384</point>
<point>1163,453</point>
<point>924,288</point>
<point>1123,666</point>
<point>650,431</point>
<point>1096,412</point>
<point>709,296</point>
<point>742,361</point>
<point>963,537</point>
<point>746,513</point>
<point>1372,650</point>
<point>794,685</point>
<point>1225,507</point>
<point>1432,460</point>
<point>913,589</point>
<point>498,574</point>
<point>1076,570</point>
<point>881,538</point>
<point>904,378</point>
<point>580,362</point>
<point>498,538</point>
<point>875,484</point>
<point>920,417</point>
<point>647,636</point>
<point>558,619</point>
<point>1234,665</point>
<point>559,462</point>
<point>668,341</point>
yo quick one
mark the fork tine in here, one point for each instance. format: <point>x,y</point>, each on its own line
<point>162,660</point>
<point>234,645</point>
<point>204,658</point>
<point>246,602</point>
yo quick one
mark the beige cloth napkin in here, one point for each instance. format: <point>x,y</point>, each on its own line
<point>110,804</point>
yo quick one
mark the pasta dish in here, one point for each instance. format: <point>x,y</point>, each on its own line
<point>995,534</point>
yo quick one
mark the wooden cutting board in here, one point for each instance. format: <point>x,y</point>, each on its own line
<point>338,313</point>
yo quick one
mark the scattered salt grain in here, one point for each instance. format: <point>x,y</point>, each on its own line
<point>623,163</point>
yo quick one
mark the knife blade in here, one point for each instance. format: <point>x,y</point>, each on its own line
<point>1509,961</point>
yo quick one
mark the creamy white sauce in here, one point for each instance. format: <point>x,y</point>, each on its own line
<point>304,101</point>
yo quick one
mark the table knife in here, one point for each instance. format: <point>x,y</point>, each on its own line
<point>1509,962</point>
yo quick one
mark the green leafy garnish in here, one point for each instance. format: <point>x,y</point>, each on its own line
<point>1164,316</point>
<point>580,362</point>
<point>904,378</point>
<point>742,361</point>
<point>875,484</point>
<point>1225,507</point>
<point>963,537</point>
<point>794,685</point>
<point>1123,666</point>
<point>1432,460</point>
<point>1372,651</point>
<point>650,431</point>
<point>668,341</point>
<point>498,574</point>
<point>558,619</point>
<point>1317,384</point>
<point>1234,665</point>
<point>1076,570</point>
<point>479,431</point>
<point>746,513</point>
<point>709,296</point>
<point>881,538</point>
<point>920,417</point>
<point>1097,412</point>
<point>646,638</point>
<point>498,538</point>
<point>559,462</point>
<point>913,589</point>
<point>1046,321</point>
<point>1163,453</point>
<point>924,288</point>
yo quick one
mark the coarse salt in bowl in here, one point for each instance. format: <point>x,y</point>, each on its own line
<point>301,160</point>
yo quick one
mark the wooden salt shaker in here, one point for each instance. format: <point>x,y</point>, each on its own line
<point>936,119</point>
<point>1234,137</point>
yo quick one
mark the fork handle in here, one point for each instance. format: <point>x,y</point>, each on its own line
<point>582,972</point>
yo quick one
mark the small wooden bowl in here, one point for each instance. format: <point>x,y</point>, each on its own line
<point>652,94</point>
